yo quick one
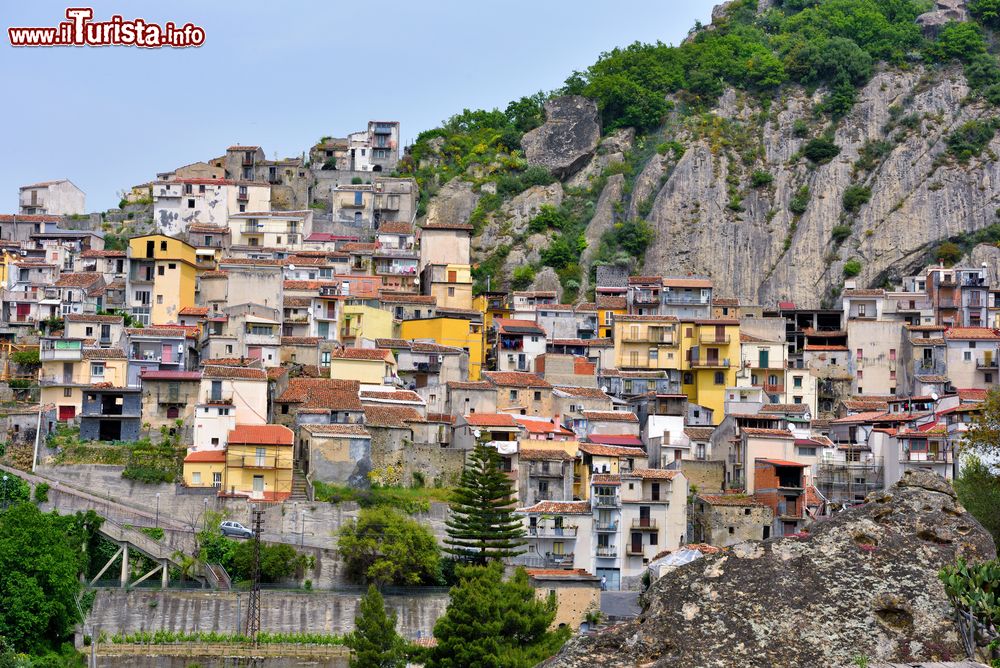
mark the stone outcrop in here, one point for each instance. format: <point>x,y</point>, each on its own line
<point>512,219</point>
<point>862,583</point>
<point>944,11</point>
<point>453,203</point>
<point>760,251</point>
<point>567,139</point>
<point>611,151</point>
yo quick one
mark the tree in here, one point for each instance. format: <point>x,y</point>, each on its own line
<point>12,490</point>
<point>983,437</point>
<point>374,641</point>
<point>482,526</point>
<point>978,489</point>
<point>41,556</point>
<point>384,547</point>
<point>495,623</point>
<point>948,252</point>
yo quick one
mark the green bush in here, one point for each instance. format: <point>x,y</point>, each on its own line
<point>548,218</point>
<point>41,492</point>
<point>761,178</point>
<point>25,357</point>
<point>522,278</point>
<point>800,201</point>
<point>970,138</point>
<point>841,232</point>
<point>800,128</point>
<point>156,533</point>
<point>384,547</point>
<point>852,268</point>
<point>855,197</point>
<point>948,253</point>
<point>986,12</point>
<point>356,180</point>
<point>820,150</point>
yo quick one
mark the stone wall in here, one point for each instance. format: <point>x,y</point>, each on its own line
<point>439,466</point>
<point>117,610</point>
<point>705,477</point>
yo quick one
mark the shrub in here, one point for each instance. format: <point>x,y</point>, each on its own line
<point>971,138</point>
<point>852,268</point>
<point>41,492</point>
<point>356,180</point>
<point>384,547</point>
<point>25,357</point>
<point>948,253</point>
<point>761,178</point>
<point>841,232</point>
<point>820,150</point>
<point>800,128</point>
<point>522,278</point>
<point>855,197</point>
<point>549,217</point>
<point>800,201</point>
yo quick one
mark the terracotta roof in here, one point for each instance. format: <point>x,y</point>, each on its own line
<point>392,395</point>
<point>406,298</point>
<point>631,317</point>
<point>972,394</point>
<point>369,354</point>
<point>213,274</point>
<point>729,500</point>
<point>395,227</point>
<point>611,302</point>
<point>358,247</point>
<point>511,326</point>
<point>699,433</point>
<point>725,301</point>
<point>300,340</point>
<point>469,385</point>
<point>103,354</point>
<point>447,418</point>
<point>84,317</point>
<point>616,439</point>
<point>857,292</point>
<point>204,228</point>
<point>234,373</point>
<point>261,434</point>
<point>391,416</point>
<point>779,462</point>
<point>276,372</point>
<point>532,454</point>
<point>611,416</point>
<point>251,261</point>
<point>582,392</point>
<point>308,285</point>
<point>652,474</point>
<point>818,348</point>
<point>797,409</point>
<point>611,450</point>
<point>515,379</point>
<point>686,282</point>
<point>83,279</point>
<point>535,425</point>
<point>932,378</point>
<point>232,361</point>
<point>767,433</point>
<point>337,429</point>
<point>152,374</point>
<point>297,302</point>
<point>559,508</point>
<point>605,479</point>
<point>587,343</point>
<point>866,404</point>
<point>447,226</point>
<point>194,310</point>
<point>214,456</point>
<point>92,252</point>
<point>491,420</point>
<point>157,330</point>
<point>969,333</point>
<point>325,393</point>
<point>29,218</point>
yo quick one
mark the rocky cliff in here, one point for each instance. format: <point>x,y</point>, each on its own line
<point>861,584</point>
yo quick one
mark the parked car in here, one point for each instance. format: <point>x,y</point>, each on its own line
<point>229,528</point>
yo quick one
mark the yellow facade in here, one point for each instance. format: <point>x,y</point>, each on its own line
<point>175,269</point>
<point>63,381</point>
<point>452,285</point>
<point>260,471</point>
<point>455,332</point>
<point>576,596</point>
<point>606,319</point>
<point>647,342</point>
<point>367,372</point>
<point>710,359</point>
<point>202,474</point>
<point>359,321</point>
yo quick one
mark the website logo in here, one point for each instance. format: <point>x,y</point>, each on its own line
<point>81,30</point>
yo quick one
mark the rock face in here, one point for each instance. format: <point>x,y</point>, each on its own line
<point>612,150</point>
<point>567,139</point>
<point>861,583</point>
<point>944,11</point>
<point>756,249</point>
<point>453,203</point>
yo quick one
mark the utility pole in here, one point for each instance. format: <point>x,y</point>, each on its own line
<point>253,606</point>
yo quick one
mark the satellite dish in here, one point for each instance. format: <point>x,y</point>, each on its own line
<point>604,389</point>
<point>934,396</point>
<point>291,267</point>
<point>477,433</point>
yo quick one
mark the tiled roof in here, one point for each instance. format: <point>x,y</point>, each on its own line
<point>448,226</point>
<point>194,310</point>
<point>559,508</point>
<point>511,326</point>
<point>491,420</point>
<point>391,416</point>
<point>29,218</point>
<point>308,285</point>
<point>681,282</point>
<point>611,302</point>
<point>729,500</point>
<point>587,343</point>
<point>779,462</point>
<point>652,474</point>
<point>234,373</point>
<point>387,297</point>
<point>866,404</point>
<point>358,247</point>
<point>515,379</point>
<point>83,279</point>
<point>767,433</point>
<point>252,261</point>
<point>535,425</point>
<point>970,333</point>
<point>337,429</point>
<point>795,409</point>
<point>157,331</point>
<point>611,416</point>
<point>395,227</point>
<point>296,302</point>
<point>616,439</point>
<point>204,228</point>
<point>532,454</point>
<point>261,434</point>
<point>232,361</point>
<point>325,393</point>
<point>84,317</point>
<point>605,479</point>
<point>856,292</point>
<point>932,378</point>
<point>818,348</point>
<point>582,392</point>
<point>725,301</point>
<point>151,374</point>
<point>699,433</point>
<point>276,372</point>
<point>300,340</point>
<point>213,274</point>
<point>611,450</point>
<point>214,456</point>
<point>631,317</point>
<point>469,385</point>
<point>392,395</point>
<point>972,394</point>
<point>103,354</point>
<point>369,354</point>
<point>92,252</point>
<point>424,347</point>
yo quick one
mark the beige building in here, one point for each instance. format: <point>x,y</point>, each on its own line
<point>727,519</point>
<point>577,593</point>
<point>874,347</point>
<point>104,330</point>
<point>52,198</point>
<point>972,355</point>
<point>444,243</point>
<point>68,368</point>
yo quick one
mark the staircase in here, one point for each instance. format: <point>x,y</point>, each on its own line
<point>300,486</point>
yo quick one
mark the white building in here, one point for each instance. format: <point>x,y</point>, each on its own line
<point>178,204</point>
<point>53,198</point>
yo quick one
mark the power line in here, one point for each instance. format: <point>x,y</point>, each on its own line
<point>253,604</point>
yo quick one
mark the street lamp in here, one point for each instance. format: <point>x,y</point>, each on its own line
<point>5,502</point>
<point>157,509</point>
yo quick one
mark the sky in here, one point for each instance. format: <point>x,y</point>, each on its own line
<point>282,74</point>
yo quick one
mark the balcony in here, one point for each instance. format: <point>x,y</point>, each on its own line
<point>986,364</point>
<point>690,300</point>
<point>53,379</point>
<point>261,339</point>
<point>551,532</point>
<point>644,524</point>
<point>646,300</point>
<point>252,229</point>
<point>606,551</point>
<point>913,305</point>
<point>396,269</point>
<point>661,339</point>
<point>714,339</point>
<point>606,527</point>
<point>946,302</point>
<point>540,470</point>
<point>242,196</point>
<point>910,456</point>
<point>710,363</point>
<point>558,560</point>
<point>605,501</point>
<point>220,398</point>
<point>252,462</point>
<point>67,350</point>
<point>634,550</point>
<point>774,389</point>
<point>352,203</point>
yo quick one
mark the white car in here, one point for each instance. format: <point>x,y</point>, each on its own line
<point>230,528</point>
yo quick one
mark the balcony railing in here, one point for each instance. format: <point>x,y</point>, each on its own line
<point>540,470</point>
<point>646,299</point>
<point>604,501</point>
<point>669,298</point>
<point>646,523</point>
<point>710,363</point>
<point>56,379</point>
<point>650,338</point>
<point>709,339</point>
<point>253,229</point>
<point>606,551</point>
<point>559,560</point>
<point>928,457</point>
<point>634,550</point>
<point>774,389</point>
<point>606,527</point>
<point>913,304</point>
<point>252,462</point>
<point>551,532</point>
<point>986,364</point>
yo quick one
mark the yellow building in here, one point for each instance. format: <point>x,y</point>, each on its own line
<point>646,342</point>
<point>161,277</point>
<point>449,331</point>
<point>609,307</point>
<point>68,368</point>
<point>450,283</point>
<point>259,462</point>
<point>369,366</point>
<point>577,593</point>
<point>205,468</point>
<point>710,358</point>
<point>360,321</point>
<point>492,304</point>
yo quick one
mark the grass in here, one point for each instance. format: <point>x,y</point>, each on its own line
<point>408,499</point>
<point>170,637</point>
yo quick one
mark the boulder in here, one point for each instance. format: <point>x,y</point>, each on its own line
<point>453,203</point>
<point>523,207</point>
<point>944,12</point>
<point>862,583</point>
<point>567,139</point>
<point>548,279</point>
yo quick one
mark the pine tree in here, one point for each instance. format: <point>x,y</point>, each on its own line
<point>482,526</point>
<point>495,623</point>
<point>374,641</point>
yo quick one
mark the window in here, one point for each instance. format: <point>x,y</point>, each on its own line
<point>654,354</point>
<point>988,377</point>
<point>513,395</point>
<point>861,310</point>
<point>161,270</point>
<point>720,378</point>
<point>190,203</point>
<point>538,396</point>
<point>688,378</point>
<point>90,331</point>
<point>797,400</point>
<point>97,370</point>
<point>972,344</point>
<point>223,411</point>
<point>201,189</point>
<point>967,356</point>
<point>892,354</point>
<point>172,265</point>
<point>732,530</point>
<point>159,299</point>
<point>689,332</point>
<point>451,293</point>
<point>67,392</point>
<point>188,189</point>
<point>543,488</point>
<point>324,358</point>
<point>243,208</point>
<point>215,440</point>
<point>892,375</point>
<point>652,538</point>
<point>163,245</point>
<point>861,374</point>
<point>796,381</point>
<point>284,409</point>
<point>196,477</point>
<point>806,451</point>
<point>860,354</point>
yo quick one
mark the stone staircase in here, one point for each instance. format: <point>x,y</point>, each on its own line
<point>300,486</point>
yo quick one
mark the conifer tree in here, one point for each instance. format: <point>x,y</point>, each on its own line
<point>374,641</point>
<point>482,526</point>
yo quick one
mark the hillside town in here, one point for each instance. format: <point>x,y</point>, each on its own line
<point>288,345</point>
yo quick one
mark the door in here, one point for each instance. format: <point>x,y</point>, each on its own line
<point>720,333</point>
<point>67,372</point>
<point>636,547</point>
<point>166,353</point>
<point>764,358</point>
<point>254,352</point>
<point>713,356</point>
<point>655,490</point>
<point>644,516</point>
<point>67,413</point>
<point>23,311</point>
<point>258,483</point>
<point>611,578</point>
<point>173,413</point>
<point>522,362</point>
